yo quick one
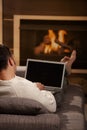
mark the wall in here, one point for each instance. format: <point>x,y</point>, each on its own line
<point>1,22</point>
<point>38,7</point>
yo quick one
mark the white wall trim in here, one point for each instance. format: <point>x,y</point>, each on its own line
<point>1,31</point>
<point>45,17</point>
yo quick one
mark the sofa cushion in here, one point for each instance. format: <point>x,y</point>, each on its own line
<point>21,106</point>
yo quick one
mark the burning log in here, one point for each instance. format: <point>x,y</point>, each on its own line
<point>64,45</point>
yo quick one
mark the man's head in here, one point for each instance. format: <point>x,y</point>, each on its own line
<point>6,58</point>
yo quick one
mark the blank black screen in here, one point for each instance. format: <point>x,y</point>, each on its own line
<point>49,74</point>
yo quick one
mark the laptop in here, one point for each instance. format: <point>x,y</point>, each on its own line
<point>49,73</point>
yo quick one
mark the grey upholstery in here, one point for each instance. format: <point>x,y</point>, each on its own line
<point>22,122</point>
<point>72,110</point>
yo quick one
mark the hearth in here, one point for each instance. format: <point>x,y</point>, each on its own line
<point>52,40</point>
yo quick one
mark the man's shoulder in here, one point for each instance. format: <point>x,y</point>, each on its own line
<point>20,78</point>
<point>23,80</point>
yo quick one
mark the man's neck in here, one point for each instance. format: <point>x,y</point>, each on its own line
<point>6,75</point>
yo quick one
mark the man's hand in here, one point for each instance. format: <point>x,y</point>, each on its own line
<point>40,86</point>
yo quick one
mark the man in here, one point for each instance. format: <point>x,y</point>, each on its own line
<point>14,86</point>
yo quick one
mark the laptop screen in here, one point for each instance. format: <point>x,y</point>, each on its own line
<point>46,72</point>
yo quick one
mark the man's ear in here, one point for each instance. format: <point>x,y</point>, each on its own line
<point>10,61</point>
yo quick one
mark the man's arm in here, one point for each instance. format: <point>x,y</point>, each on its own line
<point>32,91</point>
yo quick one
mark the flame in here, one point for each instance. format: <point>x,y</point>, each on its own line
<point>53,46</point>
<point>49,45</point>
<point>61,36</point>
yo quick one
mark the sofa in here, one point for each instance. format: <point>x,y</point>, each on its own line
<point>27,114</point>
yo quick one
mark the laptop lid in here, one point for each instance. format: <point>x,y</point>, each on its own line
<point>49,73</point>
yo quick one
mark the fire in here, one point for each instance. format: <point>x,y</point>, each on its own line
<point>61,36</point>
<point>52,46</point>
<point>49,45</point>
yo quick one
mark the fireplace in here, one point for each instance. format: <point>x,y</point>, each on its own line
<point>52,39</point>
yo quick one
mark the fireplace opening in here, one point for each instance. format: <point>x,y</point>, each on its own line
<point>52,40</point>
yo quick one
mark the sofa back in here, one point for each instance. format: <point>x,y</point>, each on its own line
<point>20,71</point>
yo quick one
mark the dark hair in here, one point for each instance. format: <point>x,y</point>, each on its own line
<point>4,56</point>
